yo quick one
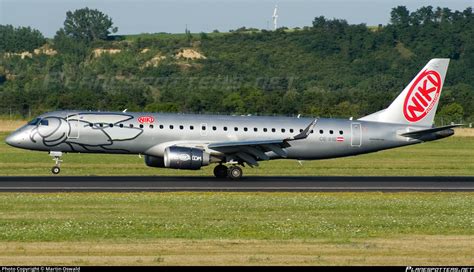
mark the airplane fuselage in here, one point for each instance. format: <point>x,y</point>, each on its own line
<point>144,133</point>
<point>190,141</point>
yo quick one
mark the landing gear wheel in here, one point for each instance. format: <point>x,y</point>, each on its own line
<point>234,172</point>
<point>55,170</point>
<point>57,159</point>
<point>220,171</point>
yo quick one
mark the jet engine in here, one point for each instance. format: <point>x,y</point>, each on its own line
<point>178,157</point>
<point>153,161</point>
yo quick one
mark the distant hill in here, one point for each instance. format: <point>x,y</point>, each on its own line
<point>329,69</point>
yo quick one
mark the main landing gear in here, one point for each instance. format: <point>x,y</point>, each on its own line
<point>232,172</point>
<point>57,158</point>
<point>220,171</point>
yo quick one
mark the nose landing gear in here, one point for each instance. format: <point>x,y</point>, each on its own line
<point>57,158</point>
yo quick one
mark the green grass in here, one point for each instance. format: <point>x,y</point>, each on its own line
<point>334,217</point>
<point>365,228</point>
<point>447,157</point>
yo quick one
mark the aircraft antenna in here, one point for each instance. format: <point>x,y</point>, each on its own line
<point>275,17</point>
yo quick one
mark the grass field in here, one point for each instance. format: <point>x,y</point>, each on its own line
<point>242,228</point>
<point>446,157</point>
<point>236,228</point>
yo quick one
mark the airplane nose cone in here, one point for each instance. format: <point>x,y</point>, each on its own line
<point>9,139</point>
<point>14,139</point>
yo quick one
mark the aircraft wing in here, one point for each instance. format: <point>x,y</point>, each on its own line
<point>252,151</point>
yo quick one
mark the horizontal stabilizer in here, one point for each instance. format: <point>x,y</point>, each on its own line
<point>418,133</point>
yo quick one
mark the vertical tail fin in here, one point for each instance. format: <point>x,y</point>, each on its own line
<point>417,103</point>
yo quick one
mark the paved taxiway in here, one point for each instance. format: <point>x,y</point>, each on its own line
<point>257,184</point>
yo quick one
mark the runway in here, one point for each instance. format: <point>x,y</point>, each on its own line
<point>246,184</point>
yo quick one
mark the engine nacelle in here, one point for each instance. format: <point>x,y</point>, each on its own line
<point>185,158</point>
<point>153,161</point>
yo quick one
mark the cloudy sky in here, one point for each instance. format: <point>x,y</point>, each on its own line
<point>147,16</point>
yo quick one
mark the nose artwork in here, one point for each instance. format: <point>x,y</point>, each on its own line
<point>51,131</point>
<point>99,132</point>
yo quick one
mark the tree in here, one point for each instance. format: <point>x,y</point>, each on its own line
<point>19,39</point>
<point>319,22</point>
<point>88,25</point>
<point>452,112</point>
<point>65,44</point>
<point>400,16</point>
<point>423,15</point>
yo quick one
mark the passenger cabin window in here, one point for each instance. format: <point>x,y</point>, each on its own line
<point>265,129</point>
<point>181,127</point>
<point>101,125</point>
<point>341,132</point>
<point>141,125</point>
<point>161,127</point>
<point>321,131</point>
<point>91,125</point>
<point>225,128</point>
<point>171,126</point>
<point>282,130</point>
<point>331,132</point>
<point>151,126</point>
<point>131,125</point>
<point>291,130</point>
<point>203,127</point>
<point>273,130</point>
<point>121,125</point>
<point>301,130</point>
<point>245,129</point>
<point>214,128</point>
<point>111,125</point>
<point>236,129</point>
<point>191,127</point>
<point>255,129</point>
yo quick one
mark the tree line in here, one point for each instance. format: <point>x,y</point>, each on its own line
<point>331,68</point>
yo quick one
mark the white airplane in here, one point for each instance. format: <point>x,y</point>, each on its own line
<point>190,141</point>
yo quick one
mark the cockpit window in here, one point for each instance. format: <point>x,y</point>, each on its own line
<point>44,122</point>
<point>34,122</point>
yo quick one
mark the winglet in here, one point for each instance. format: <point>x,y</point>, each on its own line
<point>304,134</point>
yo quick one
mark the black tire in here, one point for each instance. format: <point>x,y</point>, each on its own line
<point>220,171</point>
<point>234,172</point>
<point>55,170</point>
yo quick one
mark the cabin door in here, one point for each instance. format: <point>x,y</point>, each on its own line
<point>356,134</point>
<point>74,126</point>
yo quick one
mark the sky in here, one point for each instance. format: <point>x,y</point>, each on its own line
<point>147,16</point>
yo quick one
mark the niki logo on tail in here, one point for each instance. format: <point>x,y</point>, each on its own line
<point>422,96</point>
